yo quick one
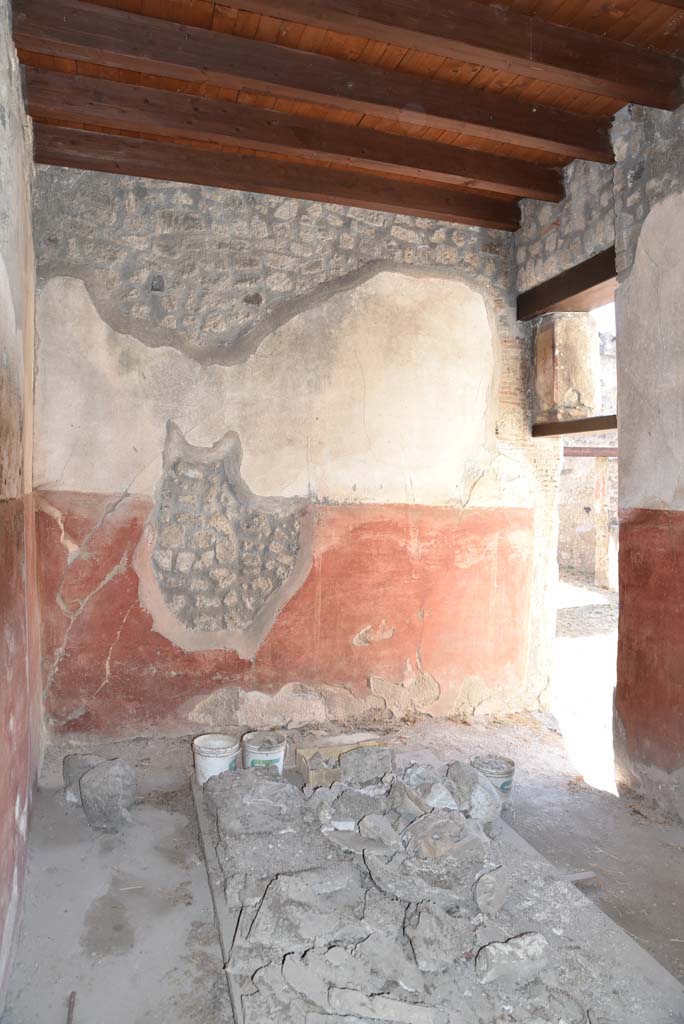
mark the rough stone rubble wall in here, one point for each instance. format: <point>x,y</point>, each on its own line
<point>20,714</point>
<point>649,168</point>
<point>210,271</point>
<point>370,363</point>
<point>554,237</point>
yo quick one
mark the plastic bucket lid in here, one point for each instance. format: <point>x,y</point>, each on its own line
<point>499,770</point>
<point>216,744</point>
<point>494,765</point>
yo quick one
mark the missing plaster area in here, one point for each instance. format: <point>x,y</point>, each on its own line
<point>222,558</point>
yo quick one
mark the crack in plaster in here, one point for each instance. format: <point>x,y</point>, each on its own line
<point>74,616</point>
<point>108,659</point>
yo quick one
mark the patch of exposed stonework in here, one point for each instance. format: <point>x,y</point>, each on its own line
<point>221,557</point>
<point>649,167</point>
<point>556,236</point>
<point>210,272</point>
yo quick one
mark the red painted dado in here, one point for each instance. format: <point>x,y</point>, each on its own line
<point>447,590</point>
<point>20,716</point>
<point>650,690</point>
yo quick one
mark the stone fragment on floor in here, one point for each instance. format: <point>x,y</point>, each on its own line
<point>515,961</point>
<point>73,767</point>
<point>107,792</point>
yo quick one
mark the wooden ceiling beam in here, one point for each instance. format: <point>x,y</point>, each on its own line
<point>498,38</point>
<point>78,30</point>
<point>142,158</point>
<point>580,289</point>
<point>98,103</point>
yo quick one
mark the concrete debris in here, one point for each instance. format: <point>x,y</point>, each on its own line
<point>362,901</point>
<point>107,791</point>
<point>73,767</point>
<point>442,834</point>
<point>447,882</point>
<point>474,793</point>
<point>380,827</point>
<point>515,961</point>
<point>269,805</point>
<point>379,1008</point>
<point>353,805</point>
<point>490,892</point>
<point>437,937</point>
<point>299,910</point>
<point>365,766</point>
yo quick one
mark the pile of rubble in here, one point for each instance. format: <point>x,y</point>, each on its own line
<point>379,898</point>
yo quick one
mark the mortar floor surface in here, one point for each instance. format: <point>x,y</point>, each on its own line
<point>126,920</point>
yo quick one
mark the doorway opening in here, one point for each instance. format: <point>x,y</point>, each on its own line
<point>587,608</point>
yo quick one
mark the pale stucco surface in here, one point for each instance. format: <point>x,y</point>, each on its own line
<point>650,330</point>
<point>383,392</point>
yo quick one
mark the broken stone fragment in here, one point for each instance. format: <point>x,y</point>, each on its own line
<point>490,892</point>
<point>474,793</point>
<point>107,792</point>
<point>304,975</point>
<point>73,767</point>
<point>380,1007</point>
<point>442,834</point>
<point>390,958</point>
<point>379,827</point>
<point>352,842</point>
<point>405,803</point>
<point>447,881</point>
<point>485,802</point>
<point>255,801</point>
<point>438,938</point>
<point>272,999</point>
<point>299,910</point>
<point>365,766</point>
<point>464,779</point>
<point>383,913</point>
<point>515,961</point>
<point>352,805</point>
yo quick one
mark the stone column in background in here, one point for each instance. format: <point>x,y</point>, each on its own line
<point>567,367</point>
<point>605,535</point>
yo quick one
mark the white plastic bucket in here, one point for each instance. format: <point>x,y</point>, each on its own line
<point>264,749</point>
<point>214,753</point>
<point>499,770</point>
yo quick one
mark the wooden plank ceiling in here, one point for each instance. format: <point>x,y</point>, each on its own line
<point>452,109</point>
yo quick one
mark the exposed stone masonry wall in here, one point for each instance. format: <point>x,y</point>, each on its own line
<point>556,236</point>
<point>211,271</point>
<point>649,167</point>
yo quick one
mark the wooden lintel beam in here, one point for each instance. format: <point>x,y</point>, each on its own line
<point>574,426</point>
<point>587,452</point>
<point>74,29</point>
<point>498,38</point>
<point>169,162</point>
<point>578,290</point>
<point>100,103</point>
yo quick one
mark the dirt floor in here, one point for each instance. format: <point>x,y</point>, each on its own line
<point>126,922</point>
